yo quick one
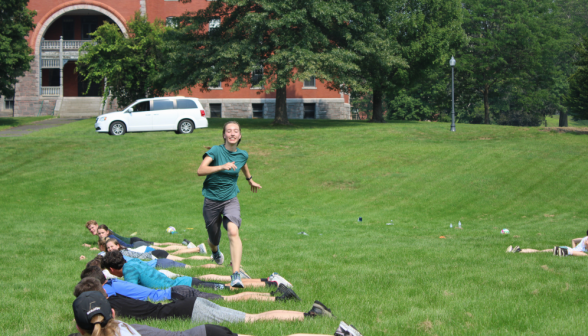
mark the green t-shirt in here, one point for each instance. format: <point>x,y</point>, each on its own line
<point>222,186</point>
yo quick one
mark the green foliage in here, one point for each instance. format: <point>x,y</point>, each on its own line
<point>386,280</point>
<point>578,95</point>
<point>16,21</point>
<point>510,60</point>
<point>399,41</point>
<point>291,40</point>
<point>129,64</point>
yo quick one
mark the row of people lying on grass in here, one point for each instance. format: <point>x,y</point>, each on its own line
<point>126,298</point>
<point>145,252</point>
<point>579,248</point>
<point>94,315</point>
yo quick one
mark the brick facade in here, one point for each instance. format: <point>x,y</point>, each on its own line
<point>238,104</point>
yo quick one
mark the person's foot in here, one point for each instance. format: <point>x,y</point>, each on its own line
<point>218,257</point>
<point>347,330</point>
<point>319,309</point>
<point>509,249</point>
<point>516,249</point>
<point>219,286</point>
<point>275,277</point>
<point>244,274</point>
<point>556,250</point>
<point>287,293</point>
<point>236,280</point>
<point>186,242</point>
<point>202,248</point>
<point>191,245</point>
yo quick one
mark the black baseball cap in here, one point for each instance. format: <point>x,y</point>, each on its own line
<point>89,304</point>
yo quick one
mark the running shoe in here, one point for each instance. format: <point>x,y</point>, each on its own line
<point>509,249</point>
<point>202,248</point>
<point>219,286</point>
<point>516,249</point>
<point>186,242</point>
<point>287,293</point>
<point>191,245</point>
<point>319,309</point>
<point>556,250</point>
<point>563,252</point>
<point>219,259</point>
<point>275,277</point>
<point>347,330</point>
<point>236,280</point>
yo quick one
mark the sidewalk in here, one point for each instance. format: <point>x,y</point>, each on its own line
<point>30,128</point>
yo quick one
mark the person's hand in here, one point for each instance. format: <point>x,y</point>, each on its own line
<point>86,245</point>
<point>254,185</point>
<point>82,257</point>
<point>229,166</point>
<point>94,249</point>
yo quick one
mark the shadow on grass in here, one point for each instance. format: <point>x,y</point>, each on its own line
<point>296,123</point>
<point>8,122</point>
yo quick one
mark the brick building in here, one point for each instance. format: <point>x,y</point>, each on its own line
<point>53,87</point>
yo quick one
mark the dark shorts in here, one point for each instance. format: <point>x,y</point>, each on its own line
<point>160,254</point>
<point>184,292</point>
<point>216,212</point>
<point>166,263</point>
<point>215,330</point>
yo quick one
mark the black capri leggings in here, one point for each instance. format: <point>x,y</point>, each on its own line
<point>215,330</point>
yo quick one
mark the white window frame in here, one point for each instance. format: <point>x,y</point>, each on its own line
<point>258,85</point>
<point>169,23</point>
<point>214,24</point>
<point>309,87</point>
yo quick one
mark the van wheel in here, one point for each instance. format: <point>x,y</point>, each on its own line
<point>185,127</point>
<point>117,128</point>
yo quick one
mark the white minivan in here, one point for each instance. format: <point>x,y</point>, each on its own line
<point>179,114</point>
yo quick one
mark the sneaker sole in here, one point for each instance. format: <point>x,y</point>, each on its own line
<point>287,291</point>
<point>237,284</point>
<point>326,311</point>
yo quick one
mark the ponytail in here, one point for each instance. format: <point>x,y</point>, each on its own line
<point>109,329</point>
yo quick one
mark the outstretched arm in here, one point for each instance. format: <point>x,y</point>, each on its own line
<point>253,184</point>
<point>206,169</point>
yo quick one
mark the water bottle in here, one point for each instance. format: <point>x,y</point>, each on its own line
<point>459,225</point>
<point>451,226</point>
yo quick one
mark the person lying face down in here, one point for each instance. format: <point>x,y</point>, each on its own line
<point>195,308</point>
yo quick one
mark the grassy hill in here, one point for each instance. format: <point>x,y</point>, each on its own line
<point>317,177</point>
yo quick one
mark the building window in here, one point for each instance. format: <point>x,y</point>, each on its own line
<point>171,21</point>
<point>311,82</point>
<point>310,111</point>
<point>256,77</point>
<point>257,111</point>
<point>68,28</point>
<point>215,110</point>
<point>89,25</point>
<point>213,25</point>
<point>9,103</point>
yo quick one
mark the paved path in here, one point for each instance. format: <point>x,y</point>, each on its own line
<point>30,128</point>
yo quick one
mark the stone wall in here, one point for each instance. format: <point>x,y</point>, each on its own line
<point>27,101</point>
<point>327,108</point>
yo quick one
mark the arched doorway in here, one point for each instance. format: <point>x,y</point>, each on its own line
<point>57,46</point>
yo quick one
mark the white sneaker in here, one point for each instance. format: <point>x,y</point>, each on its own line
<point>347,330</point>
<point>280,280</point>
<point>220,259</point>
<point>191,245</point>
<point>202,248</point>
<point>509,249</point>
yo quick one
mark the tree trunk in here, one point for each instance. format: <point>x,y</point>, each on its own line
<point>377,115</point>
<point>281,117</point>
<point>563,119</point>
<point>486,106</point>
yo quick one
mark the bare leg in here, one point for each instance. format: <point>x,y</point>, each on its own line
<point>577,253</point>
<point>247,284</point>
<point>282,315</point>
<point>210,265</point>
<point>161,244</point>
<point>249,296</point>
<point>236,246</point>
<point>534,251</point>
<point>188,250</point>
<point>172,248</point>
<point>198,258</point>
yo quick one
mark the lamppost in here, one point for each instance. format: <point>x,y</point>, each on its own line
<point>452,64</point>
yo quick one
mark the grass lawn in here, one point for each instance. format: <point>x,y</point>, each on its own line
<point>317,177</point>
<point>6,123</point>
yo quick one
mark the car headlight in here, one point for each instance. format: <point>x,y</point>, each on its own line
<point>102,118</point>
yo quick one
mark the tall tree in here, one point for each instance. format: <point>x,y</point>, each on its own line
<point>511,44</point>
<point>263,43</point>
<point>129,65</point>
<point>578,96</point>
<point>397,41</point>
<point>16,20</point>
